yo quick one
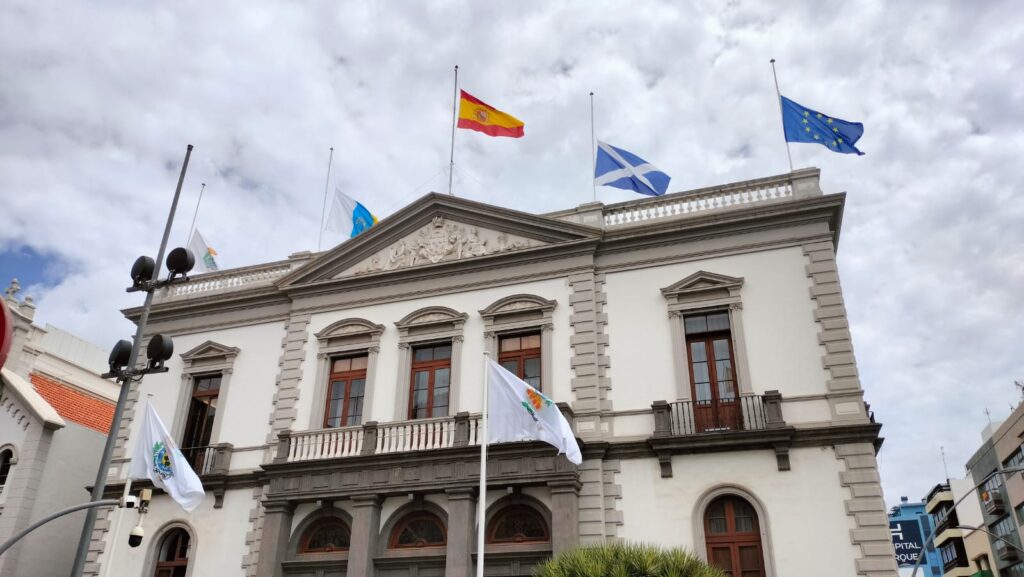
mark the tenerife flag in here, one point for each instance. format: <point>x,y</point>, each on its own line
<point>805,125</point>
<point>622,169</point>
<point>203,252</point>
<point>348,216</point>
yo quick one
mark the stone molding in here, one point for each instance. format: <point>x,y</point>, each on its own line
<point>764,523</point>
<point>518,313</point>
<point>705,291</point>
<point>293,354</point>
<point>866,510</point>
<point>423,326</point>
<point>207,358</point>
<point>351,335</point>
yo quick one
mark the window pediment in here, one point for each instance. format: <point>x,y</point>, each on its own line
<point>703,286</point>
<point>210,354</point>
<point>432,318</point>
<point>349,330</point>
<point>520,305</point>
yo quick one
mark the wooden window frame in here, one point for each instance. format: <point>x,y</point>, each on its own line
<point>348,377</point>
<point>733,538</point>
<point>405,521</point>
<point>189,445</point>
<point>432,366</point>
<point>177,561</point>
<point>317,525</point>
<point>522,355</point>
<point>492,526</point>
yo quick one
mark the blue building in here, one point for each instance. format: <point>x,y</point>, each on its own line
<point>909,525</point>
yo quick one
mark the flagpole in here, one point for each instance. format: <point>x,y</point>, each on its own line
<point>451,158</point>
<point>323,211</point>
<point>778,96</point>
<point>593,148</point>
<point>195,215</point>
<point>481,505</point>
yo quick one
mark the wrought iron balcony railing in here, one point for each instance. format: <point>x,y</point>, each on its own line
<point>743,413</point>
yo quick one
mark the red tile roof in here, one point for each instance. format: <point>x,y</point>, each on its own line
<point>74,405</point>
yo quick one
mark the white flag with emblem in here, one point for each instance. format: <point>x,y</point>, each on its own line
<point>158,458</point>
<point>519,412</point>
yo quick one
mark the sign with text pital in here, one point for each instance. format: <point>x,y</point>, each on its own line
<point>907,540</point>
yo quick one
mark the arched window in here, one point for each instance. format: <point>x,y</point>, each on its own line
<point>6,456</point>
<point>325,535</point>
<point>733,537</point>
<point>420,529</point>
<point>172,557</point>
<point>518,524</point>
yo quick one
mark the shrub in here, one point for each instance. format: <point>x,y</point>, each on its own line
<point>626,560</point>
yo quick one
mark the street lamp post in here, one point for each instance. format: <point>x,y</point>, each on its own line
<point>182,260</point>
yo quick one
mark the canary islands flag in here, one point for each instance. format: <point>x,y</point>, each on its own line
<point>348,215</point>
<point>805,125</point>
<point>477,115</point>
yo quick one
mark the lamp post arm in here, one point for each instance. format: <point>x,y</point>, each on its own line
<point>89,504</point>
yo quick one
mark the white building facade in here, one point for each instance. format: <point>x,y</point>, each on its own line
<point>698,342</point>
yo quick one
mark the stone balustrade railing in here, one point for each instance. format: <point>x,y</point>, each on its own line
<point>375,438</point>
<point>229,280</point>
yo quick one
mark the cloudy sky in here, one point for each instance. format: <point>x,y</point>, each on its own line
<point>99,99</point>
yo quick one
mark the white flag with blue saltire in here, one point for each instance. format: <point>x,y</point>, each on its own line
<point>519,412</point>
<point>158,458</point>
<point>203,252</point>
<point>623,169</point>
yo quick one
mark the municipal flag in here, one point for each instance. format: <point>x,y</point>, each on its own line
<point>158,458</point>
<point>802,124</point>
<point>519,412</point>
<point>348,215</point>
<point>623,169</point>
<point>477,115</point>
<point>203,252</point>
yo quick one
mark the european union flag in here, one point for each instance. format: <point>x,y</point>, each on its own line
<point>805,125</point>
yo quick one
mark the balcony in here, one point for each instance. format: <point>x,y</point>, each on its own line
<point>737,423</point>
<point>375,438</point>
<point>1004,552</point>
<point>994,504</point>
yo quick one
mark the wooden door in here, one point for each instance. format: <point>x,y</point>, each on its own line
<point>733,537</point>
<point>713,383</point>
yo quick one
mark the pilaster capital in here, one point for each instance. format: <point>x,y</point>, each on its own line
<point>278,507</point>
<point>372,500</point>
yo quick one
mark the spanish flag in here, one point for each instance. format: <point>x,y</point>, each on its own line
<point>476,115</point>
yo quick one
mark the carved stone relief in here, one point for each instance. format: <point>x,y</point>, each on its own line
<point>440,241</point>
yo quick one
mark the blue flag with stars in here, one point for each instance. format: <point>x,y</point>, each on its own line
<point>805,125</point>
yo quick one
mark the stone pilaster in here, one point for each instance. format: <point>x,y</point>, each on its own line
<point>461,522</point>
<point>293,354</point>
<point>26,477</point>
<point>565,515</point>
<point>365,531</point>
<point>277,527</point>
<point>255,533</point>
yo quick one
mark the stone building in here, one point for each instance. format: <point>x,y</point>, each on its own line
<point>698,342</point>
<point>56,413</point>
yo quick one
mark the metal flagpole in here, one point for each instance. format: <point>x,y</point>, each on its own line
<point>455,113</point>
<point>323,211</point>
<point>778,96</point>
<point>481,503</point>
<point>593,148</point>
<point>195,215</point>
<point>125,382</point>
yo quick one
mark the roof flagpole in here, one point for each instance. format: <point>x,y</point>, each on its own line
<point>778,96</point>
<point>455,114</point>
<point>593,148</point>
<point>195,215</point>
<point>323,211</point>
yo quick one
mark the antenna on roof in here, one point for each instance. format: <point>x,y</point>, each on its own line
<point>945,467</point>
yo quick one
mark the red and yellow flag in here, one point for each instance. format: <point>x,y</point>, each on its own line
<point>476,115</point>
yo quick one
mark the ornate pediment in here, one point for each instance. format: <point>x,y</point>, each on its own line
<point>440,240</point>
<point>208,354</point>
<point>703,285</point>
<point>518,304</point>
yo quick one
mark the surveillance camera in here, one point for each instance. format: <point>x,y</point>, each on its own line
<point>135,537</point>
<point>130,502</point>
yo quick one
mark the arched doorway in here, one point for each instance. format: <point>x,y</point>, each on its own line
<point>172,556</point>
<point>732,534</point>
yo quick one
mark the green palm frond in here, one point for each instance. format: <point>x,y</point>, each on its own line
<point>626,560</point>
